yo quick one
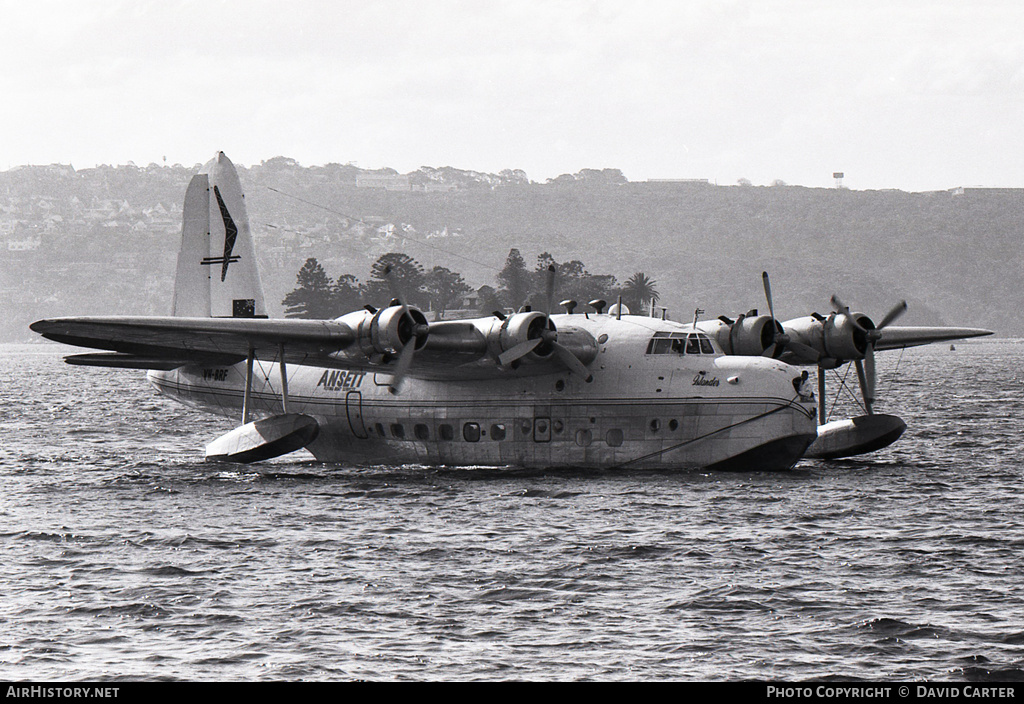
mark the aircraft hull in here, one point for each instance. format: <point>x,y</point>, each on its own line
<point>524,422</point>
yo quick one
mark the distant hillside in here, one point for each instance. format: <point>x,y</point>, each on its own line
<point>105,240</point>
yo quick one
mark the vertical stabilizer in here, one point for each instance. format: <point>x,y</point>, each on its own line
<point>217,274</point>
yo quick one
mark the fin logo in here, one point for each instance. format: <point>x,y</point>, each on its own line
<point>230,235</point>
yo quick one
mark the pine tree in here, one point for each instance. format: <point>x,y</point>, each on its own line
<point>514,280</point>
<point>314,296</point>
<point>445,288</point>
<point>396,270</point>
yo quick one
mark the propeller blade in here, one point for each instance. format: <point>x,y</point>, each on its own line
<point>841,308</point>
<point>569,360</point>
<point>521,350</point>
<point>768,293</point>
<point>803,351</point>
<point>780,340</point>
<point>898,310</point>
<point>402,366</point>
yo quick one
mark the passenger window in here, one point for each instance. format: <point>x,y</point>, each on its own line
<point>613,437</point>
<point>421,431</point>
<point>446,432</point>
<point>398,430</point>
<point>498,431</point>
<point>471,432</point>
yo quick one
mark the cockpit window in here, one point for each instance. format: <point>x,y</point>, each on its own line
<point>680,343</point>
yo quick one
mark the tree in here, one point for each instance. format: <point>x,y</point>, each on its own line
<point>538,296</point>
<point>405,273</point>
<point>639,292</point>
<point>488,300</point>
<point>514,280</point>
<point>348,293</point>
<point>445,288</point>
<point>314,296</point>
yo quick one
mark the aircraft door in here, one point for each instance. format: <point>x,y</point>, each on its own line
<point>354,411</point>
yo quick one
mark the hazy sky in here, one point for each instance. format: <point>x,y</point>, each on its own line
<point>915,95</point>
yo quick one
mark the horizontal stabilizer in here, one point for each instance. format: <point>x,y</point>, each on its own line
<point>264,439</point>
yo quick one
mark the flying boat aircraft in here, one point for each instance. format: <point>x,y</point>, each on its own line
<point>598,389</point>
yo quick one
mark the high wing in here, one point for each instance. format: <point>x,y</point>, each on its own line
<point>166,342</point>
<point>396,340</point>
<point>896,337</point>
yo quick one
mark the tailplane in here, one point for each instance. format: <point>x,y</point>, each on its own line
<point>217,275</point>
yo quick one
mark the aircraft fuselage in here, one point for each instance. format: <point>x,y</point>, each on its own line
<point>643,408</point>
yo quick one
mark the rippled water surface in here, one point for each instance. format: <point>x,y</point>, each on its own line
<point>126,557</point>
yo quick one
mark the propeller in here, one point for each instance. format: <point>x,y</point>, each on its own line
<point>548,336</point>
<point>781,341</point>
<point>866,368</point>
<point>417,332</point>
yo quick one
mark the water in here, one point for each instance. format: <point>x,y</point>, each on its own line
<point>125,557</point>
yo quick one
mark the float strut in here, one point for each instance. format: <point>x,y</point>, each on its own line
<point>863,386</point>
<point>247,398</point>
<point>821,395</point>
<point>284,380</point>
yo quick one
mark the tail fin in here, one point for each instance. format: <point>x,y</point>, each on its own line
<point>217,273</point>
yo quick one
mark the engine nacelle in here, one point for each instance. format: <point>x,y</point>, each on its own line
<point>503,335</point>
<point>388,330</point>
<point>752,335</point>
<point>835,337</point>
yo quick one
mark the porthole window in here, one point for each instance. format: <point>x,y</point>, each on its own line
<point>471,432</point>
<point>655,425</point>
<point>421,431</point>
<point>613,437</point>
<point>557,426</point>
<point>673,424</point>
<point>498,431</point>
<point>446,432</point>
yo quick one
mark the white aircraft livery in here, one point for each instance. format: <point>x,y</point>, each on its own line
<point>598,389</point>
